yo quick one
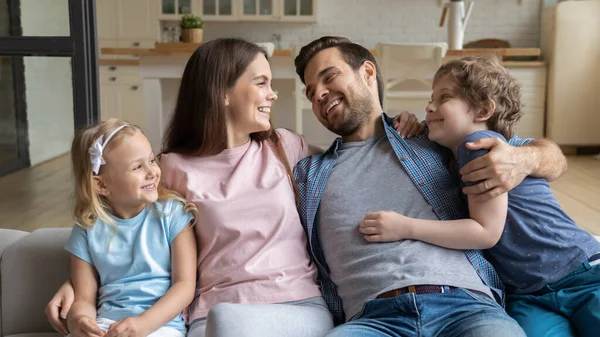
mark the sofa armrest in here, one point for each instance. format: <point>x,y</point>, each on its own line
<point>32,270</point>
<point>8,237</point>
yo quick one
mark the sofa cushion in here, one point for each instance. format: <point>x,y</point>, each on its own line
<point>37,334</point>
<point>31,272</point>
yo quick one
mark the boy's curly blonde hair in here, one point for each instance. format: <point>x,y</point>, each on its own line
<point>479,79</point>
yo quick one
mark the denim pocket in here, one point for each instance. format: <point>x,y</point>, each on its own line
<point>478,297</point>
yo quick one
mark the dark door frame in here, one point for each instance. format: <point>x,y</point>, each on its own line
<point>80,46</point>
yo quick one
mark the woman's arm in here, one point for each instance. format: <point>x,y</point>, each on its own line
<point>481,231</point>
<point>82,316</point>
<point>58,307</point>
<point>179,295</point>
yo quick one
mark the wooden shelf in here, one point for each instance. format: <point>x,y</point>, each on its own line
<point>165,49</point>
<point>508,52</point>
<point>173,48</point>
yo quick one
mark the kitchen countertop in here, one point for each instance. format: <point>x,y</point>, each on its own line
<point>168,49</point>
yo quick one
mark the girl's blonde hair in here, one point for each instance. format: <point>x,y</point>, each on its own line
<point>89,205</point>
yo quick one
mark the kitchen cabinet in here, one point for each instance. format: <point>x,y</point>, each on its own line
<point>174,9</point>
<point>299,10</point>
<point>533,100</point>
<point>217,10</point>
<point>278,10</point>
<point>242,10</point>
<point>127,23</point>
<point>121,94</point>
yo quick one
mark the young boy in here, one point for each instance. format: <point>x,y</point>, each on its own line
<point>549,265</point>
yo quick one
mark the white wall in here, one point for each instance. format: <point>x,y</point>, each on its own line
<point>371,21</point>
<point>49,92</point>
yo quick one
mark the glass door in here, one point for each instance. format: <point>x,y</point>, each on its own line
<point>258,10</point>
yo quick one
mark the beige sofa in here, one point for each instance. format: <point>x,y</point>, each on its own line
<point>32,267</point>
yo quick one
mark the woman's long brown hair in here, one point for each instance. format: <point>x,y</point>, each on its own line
<point>198,125</point>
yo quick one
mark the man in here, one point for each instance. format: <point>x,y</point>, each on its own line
<point>406,288</point>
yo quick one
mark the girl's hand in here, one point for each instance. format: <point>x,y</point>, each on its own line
<point>85,326</point>
<point>59,306</point>
<point>128,327</point>
<point>385,226</point>
<point>407,125</point>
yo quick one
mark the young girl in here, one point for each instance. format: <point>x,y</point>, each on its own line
<point>549,265</point>
<point>133,251</point>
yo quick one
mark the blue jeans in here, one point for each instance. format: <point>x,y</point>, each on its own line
<point>458,313</point>
<point>568,307</point>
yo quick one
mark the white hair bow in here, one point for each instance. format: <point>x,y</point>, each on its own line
<point>97,149</point>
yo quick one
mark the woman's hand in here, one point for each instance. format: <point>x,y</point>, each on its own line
<point>59,306</point>
<point>85,326</point>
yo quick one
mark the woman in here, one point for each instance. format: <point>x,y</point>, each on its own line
<point>222,153</point>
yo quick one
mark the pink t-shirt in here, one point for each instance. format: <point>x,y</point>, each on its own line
<point>251,244</point>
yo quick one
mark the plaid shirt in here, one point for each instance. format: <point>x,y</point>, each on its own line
<point>426,164</point>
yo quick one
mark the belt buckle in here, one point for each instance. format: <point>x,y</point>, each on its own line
<point>412,289</point>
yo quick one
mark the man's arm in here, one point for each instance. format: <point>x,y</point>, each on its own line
<point>506,166</point>
<point>547,159</point>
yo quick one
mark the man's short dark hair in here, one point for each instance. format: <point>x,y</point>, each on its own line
<point>354,55</point>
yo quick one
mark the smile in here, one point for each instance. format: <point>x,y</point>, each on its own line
<point>433,121</point>
<point>332,105</point>
<point>265,110</point>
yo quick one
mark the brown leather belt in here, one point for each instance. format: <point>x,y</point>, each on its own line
<point>417,290</point>
<point>422,289</point>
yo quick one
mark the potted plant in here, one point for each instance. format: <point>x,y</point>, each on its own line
<point>191,28</point>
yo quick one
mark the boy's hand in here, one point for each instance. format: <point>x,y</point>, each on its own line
<point>128,327</point>
<point>407,125</point>
<point>385,226</point>
<point>85,326</point>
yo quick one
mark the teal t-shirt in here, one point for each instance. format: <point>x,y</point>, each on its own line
<point>134,265</point>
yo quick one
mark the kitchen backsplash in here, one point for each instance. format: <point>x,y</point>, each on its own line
<point>369,22</point>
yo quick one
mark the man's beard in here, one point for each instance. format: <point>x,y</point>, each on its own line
<point>360,109</point>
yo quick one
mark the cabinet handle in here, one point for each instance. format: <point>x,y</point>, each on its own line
<point>112,79</point>
<point>134,87</point>
<point>136,44</point>
<point>112,68</point>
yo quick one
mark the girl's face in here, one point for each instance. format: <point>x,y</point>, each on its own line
<point>249,101</point>
<point>130,177</point>
<point>449,116</point>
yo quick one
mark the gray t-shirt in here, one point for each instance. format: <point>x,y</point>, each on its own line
<point>368,177</point>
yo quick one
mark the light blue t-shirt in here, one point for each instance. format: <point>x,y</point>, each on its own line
<point>134,265</point>
<point>540,244</point>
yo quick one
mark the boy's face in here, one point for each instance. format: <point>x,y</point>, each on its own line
<point>340,97</point>
<point>449,116</point>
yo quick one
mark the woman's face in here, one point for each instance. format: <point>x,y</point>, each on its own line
<point>249,100</point>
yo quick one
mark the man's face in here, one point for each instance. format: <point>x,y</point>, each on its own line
<point>340,98</point>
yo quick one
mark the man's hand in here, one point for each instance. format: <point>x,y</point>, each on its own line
<point>499,171</point>
<point>384,226</point>
<point>407,125</point>
<point>85,326</point>
<point>128,327</point>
